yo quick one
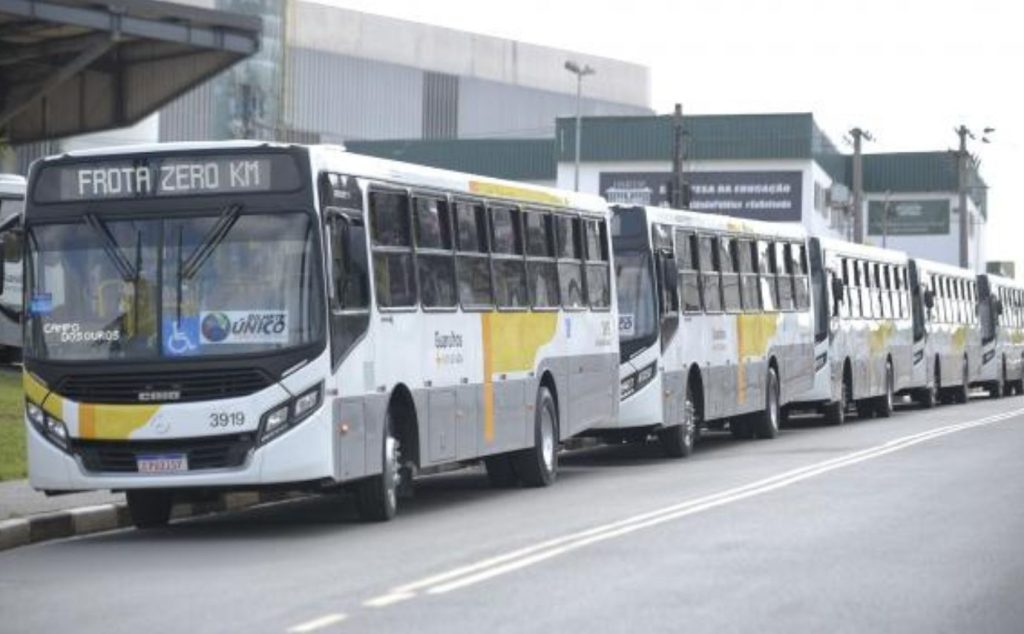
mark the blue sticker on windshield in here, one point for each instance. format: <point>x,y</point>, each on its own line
<point>180,337</point>
<point>41,304</point>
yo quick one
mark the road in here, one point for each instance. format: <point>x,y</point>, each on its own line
<point>911,524</point>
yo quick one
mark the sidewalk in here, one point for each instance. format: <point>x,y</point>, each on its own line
<point>18,499</point>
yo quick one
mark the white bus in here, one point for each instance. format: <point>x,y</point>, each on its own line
<point>1001,313</point>
<point>12,200</point>
<point>864,331</point>
<point>233,315</point>
<point>715,324</point>
<point>947,338</point>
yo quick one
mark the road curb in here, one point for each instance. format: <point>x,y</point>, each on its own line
<point>106,517</point>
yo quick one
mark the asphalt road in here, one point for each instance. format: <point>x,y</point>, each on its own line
<point>911,524</point>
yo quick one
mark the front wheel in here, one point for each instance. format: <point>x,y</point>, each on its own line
<point>677,441</point>
<point>998,388</point>
<point>377,496</point>
<point>962,392</point>
<point>538,465</point>
<point>150,509</point>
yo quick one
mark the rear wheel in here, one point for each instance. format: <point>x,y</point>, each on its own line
<point>998,388</point>
<point>150,509</point>
<point>886,403</point>
<point>677,441</point>
<point>538,465</point>
<point>500,472</point>
<point>766,423</point>
<point>930,394</point>
<point>960,395</point>
<point>835,412</point>
<point>377,496</point>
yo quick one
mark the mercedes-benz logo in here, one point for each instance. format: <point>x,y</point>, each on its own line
<point>161,427</point>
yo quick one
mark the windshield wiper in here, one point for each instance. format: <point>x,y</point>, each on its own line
<point>210,242</point>
<point>128,272</point>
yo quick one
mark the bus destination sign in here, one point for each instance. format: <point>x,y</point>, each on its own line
<point>166,176</point>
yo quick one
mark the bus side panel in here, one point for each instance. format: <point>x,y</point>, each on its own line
<point>349,448</point>
<point>441,424</point>
<point>375,410</point>
<point>468,404</point>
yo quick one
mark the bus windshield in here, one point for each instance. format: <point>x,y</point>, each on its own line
<point>638,320</point>
<point>143,289</point>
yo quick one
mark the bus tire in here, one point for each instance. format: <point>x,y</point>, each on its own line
<point>766,422</point>
<point>150,508</point>
<point>500,471</point>
<point>537,466</point>
<point>835,411</point>
<point>931,394</point>
<point>377,496</point>
<point>886,402</point>
<point>678,441</point>
<point>961,393</point>
<point>998,388</point>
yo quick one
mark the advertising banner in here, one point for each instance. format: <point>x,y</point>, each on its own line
<point>909,217</point>
<point>758,195</point>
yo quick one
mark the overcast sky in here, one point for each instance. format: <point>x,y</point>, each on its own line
<point>909,71</point>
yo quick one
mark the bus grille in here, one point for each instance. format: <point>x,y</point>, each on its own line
<point>216,452</point>
<point>164,387</point>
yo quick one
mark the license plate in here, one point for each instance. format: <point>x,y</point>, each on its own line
<point>162,463</point>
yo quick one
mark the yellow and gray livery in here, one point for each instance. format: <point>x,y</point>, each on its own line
<point>207,316</point>
<point>1001,317</point>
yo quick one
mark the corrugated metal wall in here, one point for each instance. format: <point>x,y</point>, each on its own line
<point>347,98</point>
<point>440,106</point>
<point>489,109</point>
<point>189,117</point>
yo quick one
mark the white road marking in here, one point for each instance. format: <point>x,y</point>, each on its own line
<point>388,599</point>
<point>317,624</point>
<point>495,566</point>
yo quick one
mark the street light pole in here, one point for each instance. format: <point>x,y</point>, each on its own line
<point>580,72</point>
<point>962,166</point>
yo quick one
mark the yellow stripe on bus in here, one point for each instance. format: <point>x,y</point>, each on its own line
<point>518,193</point>
<point>37,392</point>
<point>753,333</point>
<point>112,422</point>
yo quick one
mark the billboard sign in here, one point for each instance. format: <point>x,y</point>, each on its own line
<point>909,217</point>
<point>757,195</point>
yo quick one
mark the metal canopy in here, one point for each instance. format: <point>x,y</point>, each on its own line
<point>74,66</point>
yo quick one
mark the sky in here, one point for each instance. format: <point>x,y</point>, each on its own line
<point>909,71</point>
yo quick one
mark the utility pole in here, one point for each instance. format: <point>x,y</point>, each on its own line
<point>676,197</point>
<point>580,71</point>
<point>961,180</point>
<point>858,183</point>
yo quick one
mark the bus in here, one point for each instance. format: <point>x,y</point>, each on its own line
<point>947,341</point>
<point>209,316</point>
<point>863,354</point>
<point>12,197</point>
<point>715,324</point>
<point>1001,316</point>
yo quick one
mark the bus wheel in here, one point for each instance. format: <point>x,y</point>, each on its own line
<point>500,472</point>
<point>150,508</point>
<point>886,402</point>
<point>930,394</point>
<point>377,496</point>
<point>998,388</point>
<point>538,465</point>
<point>677,441</point>
<point>766,423</point>
<point>835,412</point>
<point>961,393</point>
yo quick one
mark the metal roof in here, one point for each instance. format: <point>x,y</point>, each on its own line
<point>515,159</point>
<point>74,66</point>
<point>914,172</point>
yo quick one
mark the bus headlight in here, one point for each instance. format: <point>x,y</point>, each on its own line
<point>627,386</point>
<point>820,361</point>
<point>286,415</point>
<point>51,427</point>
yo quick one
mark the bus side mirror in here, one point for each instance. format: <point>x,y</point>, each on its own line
<point>929,299</point>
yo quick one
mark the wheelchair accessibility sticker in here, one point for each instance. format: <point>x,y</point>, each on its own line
<point>181,337</point>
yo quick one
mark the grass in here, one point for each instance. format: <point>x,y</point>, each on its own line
<point>12,427</point>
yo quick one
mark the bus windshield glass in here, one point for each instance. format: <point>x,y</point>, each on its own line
<point>227,283</point>
<point>638,321</point>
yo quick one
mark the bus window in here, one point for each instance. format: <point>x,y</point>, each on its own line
<point>848,290</point>
<point>801,290</point>
<point>570,261</point>
<point>764,268</point>
<point>730,275</point>
<point>748,275</point>
<point>711,285</point>
<point>689,278</point>
<point>435,260</point>
<point>885,290</point>
<point>473,267</point>
<point>783,279</point>
<point>897,293</point>
<point>393,270</point>
<point>507,256</point>
<point>598,286</point>
<point>542,271</point>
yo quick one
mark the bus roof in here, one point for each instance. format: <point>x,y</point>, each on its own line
<point>931,266</point>
<point>12,185</point>
<point>337,158</point>
<point>1002,281</point>
<point>864,251</point>
<point>718,222</point>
